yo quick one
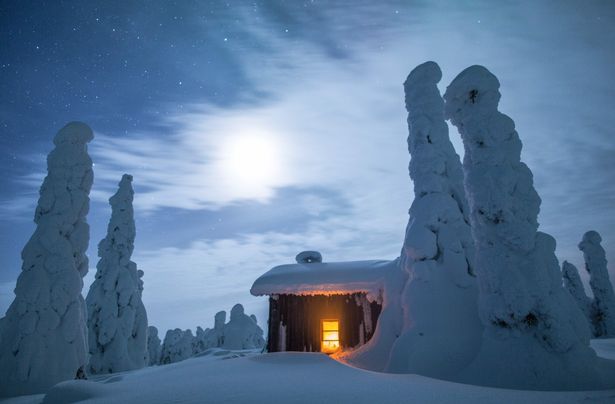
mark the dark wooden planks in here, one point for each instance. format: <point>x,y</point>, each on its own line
<point>302,316</point>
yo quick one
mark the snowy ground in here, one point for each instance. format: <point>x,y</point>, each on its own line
<point>245,376</point>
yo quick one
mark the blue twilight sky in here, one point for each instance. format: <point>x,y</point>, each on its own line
<point>255,130</point>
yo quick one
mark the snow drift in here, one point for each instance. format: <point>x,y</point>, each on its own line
<point>221,376</point>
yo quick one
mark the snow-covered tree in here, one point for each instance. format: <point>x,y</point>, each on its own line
<point>117,321</point>
<point>177,346</point>
<point>604,298</point>
<point>572,283</point>
<point>217,334</point>
<point>242,332</point>
<point>438,249</point>
<point>201,340</point>
<point>44,332</point>
<point>211,337</point>
<point>153,346</point>
<point>256,340</point>
<point>535,335</point>
<point>137,345</point>
<point>414,332</point>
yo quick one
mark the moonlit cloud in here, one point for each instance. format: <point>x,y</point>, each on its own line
<point>214,274</point>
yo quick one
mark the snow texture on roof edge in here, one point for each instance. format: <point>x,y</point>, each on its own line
<point>324,278</point>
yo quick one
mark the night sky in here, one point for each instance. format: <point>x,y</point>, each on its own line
<point>256,130</point>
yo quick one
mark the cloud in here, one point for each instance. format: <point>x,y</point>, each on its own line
<point>213,274</point>
<point>315,118</point>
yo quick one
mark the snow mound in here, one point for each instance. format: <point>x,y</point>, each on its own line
<point>289,378</point>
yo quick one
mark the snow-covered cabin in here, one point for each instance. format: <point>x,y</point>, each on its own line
<point>322,307</point>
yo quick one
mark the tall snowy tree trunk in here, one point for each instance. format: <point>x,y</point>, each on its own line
<point>44,331</point>
<point>117,321</point>
<point>535,335</point>
<point>604,298</point>
<point>574,286</point>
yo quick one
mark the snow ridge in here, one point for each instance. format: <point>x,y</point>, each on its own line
<point>117,321</point>
<point>44,332</point>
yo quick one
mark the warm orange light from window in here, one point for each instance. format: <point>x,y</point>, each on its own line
<point>330,336</point>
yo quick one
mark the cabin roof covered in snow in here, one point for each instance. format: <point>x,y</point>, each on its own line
<point>324,278</point>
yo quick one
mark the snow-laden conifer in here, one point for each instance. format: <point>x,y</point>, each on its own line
<point>117,322</point>
<point>572,283</point>
<point>44,332</point>
<point>216,336</point>
<point>242,332</point>
<point>153,346</point>
<point>440,291</point>
<point>604,298</point>
<point>178,345</point>
<point>535,336</point>
<point>435,289</point>
<point>210,337</point>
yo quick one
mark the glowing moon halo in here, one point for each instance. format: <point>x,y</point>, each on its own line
<point>251,164</point>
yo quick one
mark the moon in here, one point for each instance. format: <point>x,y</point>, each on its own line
<point>251,163</point>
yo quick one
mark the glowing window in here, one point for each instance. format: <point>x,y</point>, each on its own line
<point>330,336</point>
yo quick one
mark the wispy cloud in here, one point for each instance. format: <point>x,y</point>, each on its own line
<point>211,275</point>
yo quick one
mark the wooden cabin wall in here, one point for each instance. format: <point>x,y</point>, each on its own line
<point>301,317</point>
